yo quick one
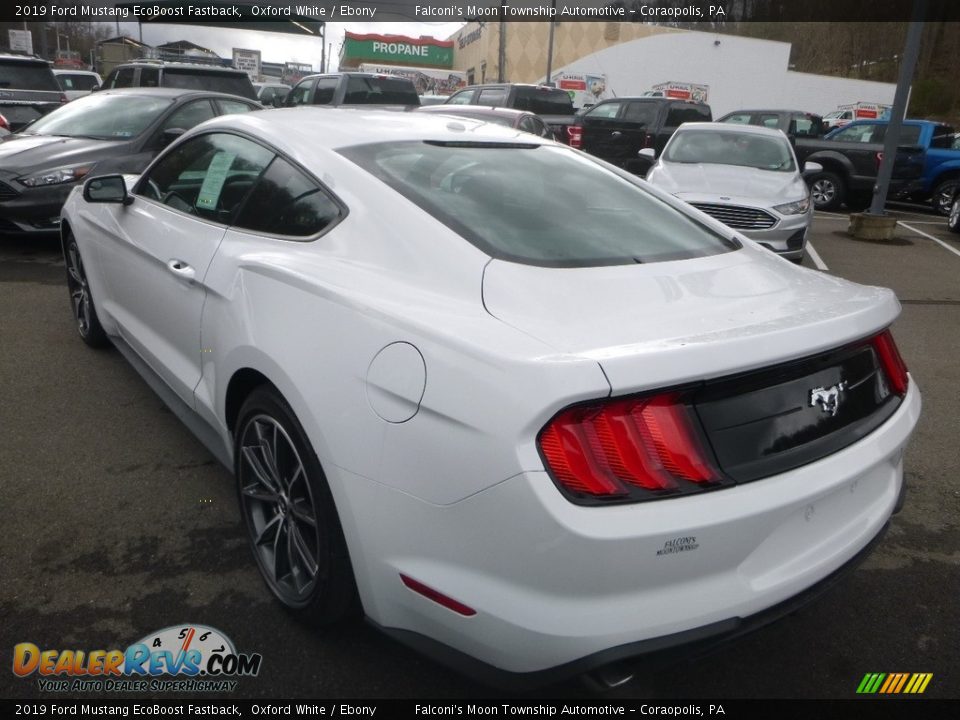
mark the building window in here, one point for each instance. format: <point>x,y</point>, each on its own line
<point>483,71</point>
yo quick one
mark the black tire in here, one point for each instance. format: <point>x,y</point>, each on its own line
<point>942,199</point>
<point>81,300</point>
<point>828,190</point>
<point>289,512</point>
<point>953,220</point>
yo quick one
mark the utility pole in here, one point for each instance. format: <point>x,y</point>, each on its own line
<point>502,54</point>
<point>892,138</point>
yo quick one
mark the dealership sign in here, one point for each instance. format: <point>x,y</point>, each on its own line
<point>396,49</point>
<point>248,61</point>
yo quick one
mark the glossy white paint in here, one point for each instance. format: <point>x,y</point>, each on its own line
<point>433,462</point>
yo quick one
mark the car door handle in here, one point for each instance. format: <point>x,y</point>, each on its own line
<point>616,133</point>
<point>181,269</point>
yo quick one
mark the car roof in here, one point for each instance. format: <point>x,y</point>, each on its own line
<point>201,67</point>
<point>65,71</point>
<point>174,93</point>
<point>4,57</point>
<point>770,110</point>
<point>309,130</point>
<point>735,127</point>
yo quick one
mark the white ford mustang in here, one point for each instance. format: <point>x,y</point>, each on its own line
<point>533,415</point>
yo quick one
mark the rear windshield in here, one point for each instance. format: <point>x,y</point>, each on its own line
<point>231,83</point>
<point>538,205</point>
<point>380,91</point>
<point>27,76</point>
<point>543,101</point>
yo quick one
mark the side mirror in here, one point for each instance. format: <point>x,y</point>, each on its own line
<point>811,167</point>
<point>106,189</point>
<point>648,153</point>
<point>171,134</point>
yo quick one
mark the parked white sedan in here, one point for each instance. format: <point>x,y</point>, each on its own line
<point>745,176</point>
<point>532,414</point>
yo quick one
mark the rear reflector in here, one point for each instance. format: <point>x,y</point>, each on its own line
<point>893,365</point>
<point>437,596</point>
<point>629,449</point>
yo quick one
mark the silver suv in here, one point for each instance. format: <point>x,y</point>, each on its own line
<point>28,90</point>
<point>187,76</point>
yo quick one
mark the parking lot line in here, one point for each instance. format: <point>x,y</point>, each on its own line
<point>815,256</point>
<point>938,241</point>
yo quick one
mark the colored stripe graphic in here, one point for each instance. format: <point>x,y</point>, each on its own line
<point>894,683</point>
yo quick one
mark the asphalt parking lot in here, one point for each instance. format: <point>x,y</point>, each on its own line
<point>117,522</point>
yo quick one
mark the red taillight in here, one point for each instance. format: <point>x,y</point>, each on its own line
<point>628,449</point>
<point>647,140</point>
<point>437,596</point>
<point>879,160</point>
<point>63,99</point>
<point>575,136</point>
<point>3,123</point>
<point>893,365</point>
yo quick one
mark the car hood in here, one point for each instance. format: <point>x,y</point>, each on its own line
<point>730,181</point>
<point>651,326</point>
<point>22,153</point>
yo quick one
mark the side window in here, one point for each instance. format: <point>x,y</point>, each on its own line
<point>527,125</point>
<point>266,95</point>
<point>855,133</point>
<point>943,138</point>
<point>642,113</point>
<point>768,121</point>
<point>123,78</point>
<point>300,94</point>
<point>738,119</point>
<point>189,115</point>
<point>806,126</point>
<point>493,97</point>
<point>208,176</point>
<point>149,77</point>
<point>326,87</point>
<point>461,98</point>
<point>679,114</point>
<point>604,111</point>
<point>232,107</point>
<point>288,202</point>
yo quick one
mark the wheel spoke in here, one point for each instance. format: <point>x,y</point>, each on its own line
<point>260,472</point>
<point>274,524</point>
<point>257,492</point>
<point>296,476</point>
<point>276,552</point>
<point>303,551</point>
<point>269,454</point>
<point>302,511</point>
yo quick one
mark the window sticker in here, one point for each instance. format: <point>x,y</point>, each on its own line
<point>212,186</point>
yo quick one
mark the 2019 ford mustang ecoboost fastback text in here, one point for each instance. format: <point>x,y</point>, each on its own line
<point>532,414</point>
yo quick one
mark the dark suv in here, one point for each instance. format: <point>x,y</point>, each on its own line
<point>353,88</point>
<point>185,76</point>
<point>553,105</point>
<point>28,90</point>
<point>616,130</point>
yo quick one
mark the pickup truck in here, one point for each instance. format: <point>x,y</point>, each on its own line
<point>554,106</point>
<point>353,88</point>
<point>850,156</point>
<point>941,157</point>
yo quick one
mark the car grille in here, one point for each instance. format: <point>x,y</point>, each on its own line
<point>738,218</point>
<point>7,192</point>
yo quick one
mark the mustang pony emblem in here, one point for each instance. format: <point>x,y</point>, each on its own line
<point>828,398</point>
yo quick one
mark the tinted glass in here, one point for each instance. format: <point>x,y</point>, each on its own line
<point>540,205</point>
<point>287,202</point>
<point>494,97</point>
<point>232,107</point>
<point>326,87</point>
<point>300,94</point>
<point>191,114</point>
<point>123,78</point>
<point>461,98</point>
<point>208,176</point>
<point>642,113</point>
<point>106,117</point>
<point>943,137</point>
<point>604,111</point>
<point>149,77</point>
<point>856,133</point>
<point>27,76</point>
<point>380,91</point>
<point>679,114</point>
<point>806,126</point>
<point>230,83</point>
<point>543,101</point>
<point>730,148</point>
<point>738,119</point>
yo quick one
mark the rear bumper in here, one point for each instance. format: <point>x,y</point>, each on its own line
<point>559,589</point>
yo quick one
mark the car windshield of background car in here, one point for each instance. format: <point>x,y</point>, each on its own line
<point>722,148</point>
<point>538,205</point>
<point>101,116</point>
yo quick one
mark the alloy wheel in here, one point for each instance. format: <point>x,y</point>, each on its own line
<point>79,289</point>
<point>279,508</point>
<point>823,192</point>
